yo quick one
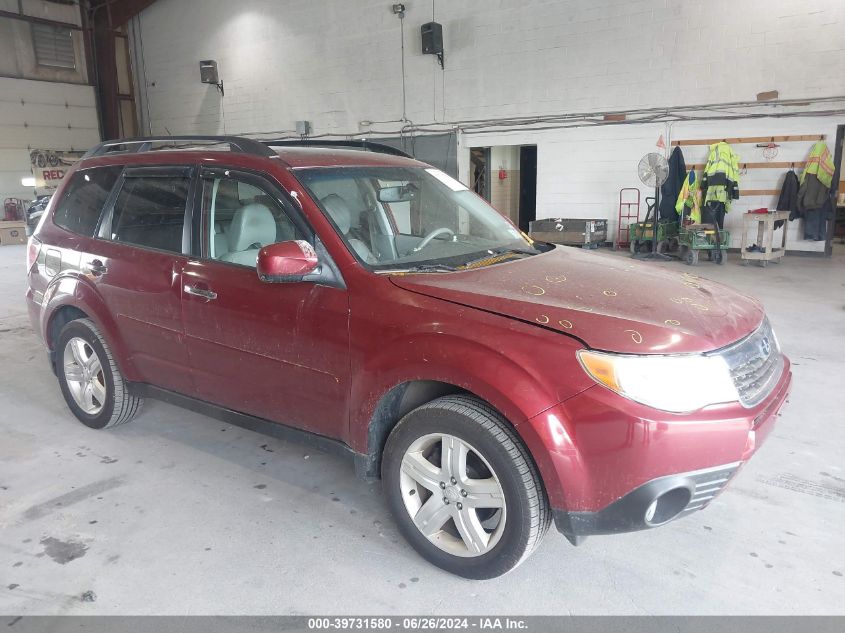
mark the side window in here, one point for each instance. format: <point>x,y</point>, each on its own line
<point>241,218</point>
<point>150,211</point>
<point>87,192</point>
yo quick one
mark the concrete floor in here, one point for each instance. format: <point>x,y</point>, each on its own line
<point>177,513</point>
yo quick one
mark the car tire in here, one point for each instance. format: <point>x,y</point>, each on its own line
<point>505,525</point>
<point>90,380</point>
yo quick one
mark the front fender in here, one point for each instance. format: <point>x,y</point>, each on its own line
<point>515,367</point>
<point>78,291</point>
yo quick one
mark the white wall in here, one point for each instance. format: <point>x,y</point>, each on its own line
<point>337,64</point>
<point>40,107</point>
<point>41,115</point>
<point>580,171</point>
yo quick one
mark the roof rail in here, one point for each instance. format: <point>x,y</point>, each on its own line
<point>362,144</point>
<point>144,144</point>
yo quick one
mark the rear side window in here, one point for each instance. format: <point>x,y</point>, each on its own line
<point>83,201</point>
<point>150,212</point>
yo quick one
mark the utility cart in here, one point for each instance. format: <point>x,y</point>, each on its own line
<point>695,238</point>
<point>765,225</point>
<point>641,234</point>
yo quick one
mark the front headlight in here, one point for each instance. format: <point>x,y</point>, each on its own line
<point>678,384</point>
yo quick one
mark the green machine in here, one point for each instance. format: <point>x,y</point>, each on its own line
<point>658,239</point>
<point>641,234</point>
<point>683,240</point>
<point>695,238</point>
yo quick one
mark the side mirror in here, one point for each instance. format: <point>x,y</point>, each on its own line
<point>286,261</point>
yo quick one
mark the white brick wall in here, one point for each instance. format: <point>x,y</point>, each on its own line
<point>336,63</point>
<point>580,171</point>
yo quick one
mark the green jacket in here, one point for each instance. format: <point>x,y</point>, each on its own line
<point>820,163</point>
<point>720,181</point>
<point>689,200</point>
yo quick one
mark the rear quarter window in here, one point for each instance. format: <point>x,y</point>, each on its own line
<point>80,208</point>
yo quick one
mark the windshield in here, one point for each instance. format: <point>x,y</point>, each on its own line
<point>412,218</point>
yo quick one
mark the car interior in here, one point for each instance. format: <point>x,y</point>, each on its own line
<point>245,219</point>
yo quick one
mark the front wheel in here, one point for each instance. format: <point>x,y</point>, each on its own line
<point>463,489</point>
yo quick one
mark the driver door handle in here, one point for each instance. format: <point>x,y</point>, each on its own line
<point>208,295</point>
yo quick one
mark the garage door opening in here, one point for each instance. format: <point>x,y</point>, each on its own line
<point>479,158</point>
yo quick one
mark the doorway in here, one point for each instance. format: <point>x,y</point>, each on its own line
<point>479,158</point>
<point>527,186</point>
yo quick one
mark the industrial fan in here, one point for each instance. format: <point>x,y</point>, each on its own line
<point>653,171</point>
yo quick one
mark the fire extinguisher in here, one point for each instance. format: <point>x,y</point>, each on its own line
<point>502,173</point>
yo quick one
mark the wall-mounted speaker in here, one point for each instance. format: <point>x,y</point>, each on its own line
<point>432,38</point>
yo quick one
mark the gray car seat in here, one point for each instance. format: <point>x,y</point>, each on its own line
<point>221,244</point>
<point>342,216</point>
<point>253,227</point>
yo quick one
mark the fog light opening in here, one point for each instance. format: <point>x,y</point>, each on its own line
<point>667,506</point>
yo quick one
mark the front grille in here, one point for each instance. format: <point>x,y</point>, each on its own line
<point>708,483</point>
<point>755,364</point>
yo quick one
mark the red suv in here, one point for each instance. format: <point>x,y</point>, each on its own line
<point>372,304</point>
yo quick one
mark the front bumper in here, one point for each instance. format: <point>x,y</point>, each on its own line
<point>611,465</point>
<point>653,504</point>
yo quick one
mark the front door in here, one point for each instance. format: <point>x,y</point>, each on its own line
<point>278,351</point>
<point>138,261</point>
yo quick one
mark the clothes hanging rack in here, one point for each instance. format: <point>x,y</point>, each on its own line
<point>765,165</point>
<point>739,140</point>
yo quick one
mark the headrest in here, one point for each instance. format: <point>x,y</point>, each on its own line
<point>339,211</point>
<point>252,224</point>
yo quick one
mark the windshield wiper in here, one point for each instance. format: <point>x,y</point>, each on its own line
<point>496,252</point>
<point>430,268</point>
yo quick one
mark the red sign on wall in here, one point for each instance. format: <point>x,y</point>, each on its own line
<point>50,166</point>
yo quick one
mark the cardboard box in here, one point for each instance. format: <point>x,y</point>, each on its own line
<point>12,233</point>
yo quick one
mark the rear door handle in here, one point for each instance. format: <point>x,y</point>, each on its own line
<point>208,295</point>
<point>96,268</point>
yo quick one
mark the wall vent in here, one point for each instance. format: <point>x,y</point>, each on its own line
<point>53,46</point>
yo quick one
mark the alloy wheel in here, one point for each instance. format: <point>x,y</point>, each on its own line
<point>452,495</point>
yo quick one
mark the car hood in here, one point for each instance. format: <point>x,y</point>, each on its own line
<point>610,303</point>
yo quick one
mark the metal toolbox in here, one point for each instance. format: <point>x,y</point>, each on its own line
<point>569,231</point>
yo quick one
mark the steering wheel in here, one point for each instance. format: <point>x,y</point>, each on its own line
<point>427,239</point>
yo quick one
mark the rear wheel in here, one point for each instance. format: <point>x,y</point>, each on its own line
<point>464,491</point>
<point>90,380</point>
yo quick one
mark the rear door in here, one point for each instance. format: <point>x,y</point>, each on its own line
<point>277,351</point>
<point>139,259</point>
